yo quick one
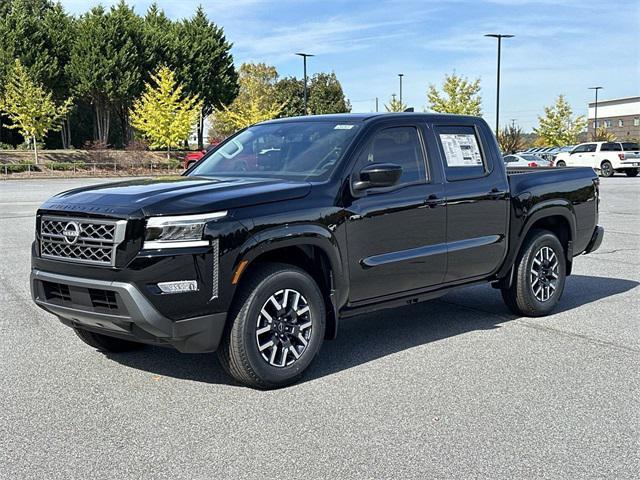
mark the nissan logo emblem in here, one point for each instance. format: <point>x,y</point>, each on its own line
<point>71,232</point>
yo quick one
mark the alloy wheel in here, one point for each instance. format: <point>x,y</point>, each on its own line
<point>284,327</point>
<point>544,274</point>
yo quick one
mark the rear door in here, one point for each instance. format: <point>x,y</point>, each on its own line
<point>477,198</point>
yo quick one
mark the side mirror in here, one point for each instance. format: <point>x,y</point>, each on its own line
<point>378,175</point>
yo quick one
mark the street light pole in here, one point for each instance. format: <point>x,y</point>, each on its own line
<point>499,36</point>
<point>304,62</point>
<point>400,75</point>
<point>595,114</point>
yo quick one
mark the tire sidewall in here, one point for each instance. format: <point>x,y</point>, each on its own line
<point>303,283</point>
<point>543,240</point>
<point>606,172</point>
<point>561,164</point>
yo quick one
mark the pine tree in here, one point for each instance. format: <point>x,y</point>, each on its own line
<point>163,114</point>
<point>31,108</point>
<point>459,96</point>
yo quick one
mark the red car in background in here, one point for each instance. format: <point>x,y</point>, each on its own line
<point>192,157</point>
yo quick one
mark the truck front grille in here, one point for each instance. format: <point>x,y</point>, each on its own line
<point>81,240</point>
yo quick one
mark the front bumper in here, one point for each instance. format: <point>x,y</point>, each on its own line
<point>120,310</point>
<point>596,239</point>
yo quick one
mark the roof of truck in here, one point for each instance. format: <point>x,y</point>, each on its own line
<point>363,117</point>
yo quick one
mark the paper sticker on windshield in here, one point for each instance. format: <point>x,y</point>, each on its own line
<point>343,127</point>
<point>461,149</point>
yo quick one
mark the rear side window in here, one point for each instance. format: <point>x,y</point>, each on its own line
<point>611,147</point>
<point>399,145</point>
<point>462,153</point>
<point>630,146</point>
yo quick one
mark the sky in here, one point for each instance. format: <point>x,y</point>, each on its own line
<point>560,46</point>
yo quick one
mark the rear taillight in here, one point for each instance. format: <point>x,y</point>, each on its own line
<point>621,156</point>
<point>533,164</point>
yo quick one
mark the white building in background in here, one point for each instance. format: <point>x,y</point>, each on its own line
<point>620,116</point>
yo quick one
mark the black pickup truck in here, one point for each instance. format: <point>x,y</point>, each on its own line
<point>292,225</point>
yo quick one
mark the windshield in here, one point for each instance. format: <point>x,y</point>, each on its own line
<point>291,150</point>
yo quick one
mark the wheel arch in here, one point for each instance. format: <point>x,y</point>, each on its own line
<point>309,247</point>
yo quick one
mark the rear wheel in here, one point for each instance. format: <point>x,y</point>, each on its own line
<point>277,327</point>
<point>606,169</point>
<point>561,164</point>
<point>631,172</point>
<point>105,343</point>
<point>539,278</point>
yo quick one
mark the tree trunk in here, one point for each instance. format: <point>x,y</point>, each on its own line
<point>200,130</point>
<point>103,117</point>
<point>168,151</point>
<point>35,149</point>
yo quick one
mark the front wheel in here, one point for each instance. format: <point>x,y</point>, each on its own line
<point>561,164</point>
<point>539,278</point>
<point>631,172</point>
<point>276,327</point>
<point>606,169</point>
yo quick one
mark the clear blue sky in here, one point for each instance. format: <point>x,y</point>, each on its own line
<point>561,46</point>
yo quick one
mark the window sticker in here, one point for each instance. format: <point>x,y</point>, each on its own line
<point>343,127</point>
<point>461,149</point>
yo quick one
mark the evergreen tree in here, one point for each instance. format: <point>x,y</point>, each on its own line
<point>326,95</point>
<point>395,105</point>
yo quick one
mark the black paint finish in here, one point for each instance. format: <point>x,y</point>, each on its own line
<point>368,249</point>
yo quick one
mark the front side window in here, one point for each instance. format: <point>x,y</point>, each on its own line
<point>590,147</point>
<point>398,145</point>
<point>289,150</point>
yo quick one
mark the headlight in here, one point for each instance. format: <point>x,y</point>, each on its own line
<point>177,232</point>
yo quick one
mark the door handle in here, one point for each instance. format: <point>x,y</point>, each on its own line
<point>433,201</point>
<point>496,193</point>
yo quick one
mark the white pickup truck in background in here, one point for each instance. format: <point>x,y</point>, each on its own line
<point>604,157</point>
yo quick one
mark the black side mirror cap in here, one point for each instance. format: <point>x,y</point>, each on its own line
<point>378,175</point>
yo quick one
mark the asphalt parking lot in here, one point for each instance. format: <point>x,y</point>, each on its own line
<point>452,388</point>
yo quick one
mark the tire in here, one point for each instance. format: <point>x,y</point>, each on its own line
<point>561,164</point>
<point>189,165</point>
<point>284,362</point>
<point>105,343</point>
<point>631,172</point>
<point>524,296</point>
<point>606,169</point>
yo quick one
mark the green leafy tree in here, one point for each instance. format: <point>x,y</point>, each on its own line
<point>395,105</point>
<point>289,91</point>
<point>205,65</point>
<point>510,139</point>
<point>256,100</point>
<point>459,96</point>
<point>326,95</point>
<point>106,64</point>
<point>30,108</point>
<point>163,114</point>
<point>38,33</point>
<point>558,126</point>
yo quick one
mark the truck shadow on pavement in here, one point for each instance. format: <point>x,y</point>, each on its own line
<point>368,337</point>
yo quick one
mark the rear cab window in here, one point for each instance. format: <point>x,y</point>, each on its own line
<point>462,153</point>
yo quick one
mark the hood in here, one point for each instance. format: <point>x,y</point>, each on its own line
<point>176,195</point>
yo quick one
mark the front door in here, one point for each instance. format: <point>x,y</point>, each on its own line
<point>396,235</point>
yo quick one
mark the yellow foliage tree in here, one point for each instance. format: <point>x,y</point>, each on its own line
<point>163,115</point>
<point>30,107</point>
<point>256,100</point>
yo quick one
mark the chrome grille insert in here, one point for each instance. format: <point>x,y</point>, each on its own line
<point>81,240</point>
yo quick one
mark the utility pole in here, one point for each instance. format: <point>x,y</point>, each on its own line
<point>400,75</point>
<point>376,104</point>
<point>595,114</point>
<point>304,62</point>
<point>499,36</point>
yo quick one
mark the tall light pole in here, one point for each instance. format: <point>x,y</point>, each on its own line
<point>304,61</point>
<point>499,36</point>
<point>595,114</point>
<point>400,75</point>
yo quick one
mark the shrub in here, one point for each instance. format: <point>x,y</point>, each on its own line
<point>66,166</point>
<point>21,167</point>
<point>6,146</point>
